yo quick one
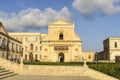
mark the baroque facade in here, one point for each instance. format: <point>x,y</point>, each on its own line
<point>61,44</point>
<point>10,48</point>
<point>111,50</point>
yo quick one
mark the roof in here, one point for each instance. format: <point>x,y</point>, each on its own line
<point>61,22</point>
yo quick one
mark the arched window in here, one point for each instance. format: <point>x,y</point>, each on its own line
<point>31,46</point>
<point>115,45</point>
<point>61,36</point>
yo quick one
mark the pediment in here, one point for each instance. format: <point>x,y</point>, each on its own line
<point>61,21</point>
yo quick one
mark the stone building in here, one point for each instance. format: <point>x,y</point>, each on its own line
<point>10,48</point>
<point>111,50</point>
<point>61,44</point>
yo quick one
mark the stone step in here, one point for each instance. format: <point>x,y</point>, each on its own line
<point>2,68</point>
<point>4,71</point>
<point>8,75</point>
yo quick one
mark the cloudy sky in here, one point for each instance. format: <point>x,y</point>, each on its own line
<point>95,20</point>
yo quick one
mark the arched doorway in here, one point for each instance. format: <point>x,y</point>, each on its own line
<point>61,57</point>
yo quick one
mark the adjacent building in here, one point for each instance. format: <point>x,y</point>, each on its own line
<point>111,50</point>
<point>10,48</point>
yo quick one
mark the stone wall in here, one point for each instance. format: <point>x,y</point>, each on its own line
<point>53,70</point>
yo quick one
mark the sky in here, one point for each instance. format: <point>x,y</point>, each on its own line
<point>95,20</point>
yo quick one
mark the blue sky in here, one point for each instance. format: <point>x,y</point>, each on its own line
<point>95,20</point>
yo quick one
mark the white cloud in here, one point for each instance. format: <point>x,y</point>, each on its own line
<point>33,18</point>
<point>89,7</point>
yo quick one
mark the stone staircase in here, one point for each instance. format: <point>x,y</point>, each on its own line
<point>6,73</point>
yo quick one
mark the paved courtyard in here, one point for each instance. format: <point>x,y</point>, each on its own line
<point>33,77</point>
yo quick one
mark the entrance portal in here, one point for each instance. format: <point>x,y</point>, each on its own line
<point>61,57</point>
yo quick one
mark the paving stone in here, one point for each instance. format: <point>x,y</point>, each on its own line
<point>36,77</point>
